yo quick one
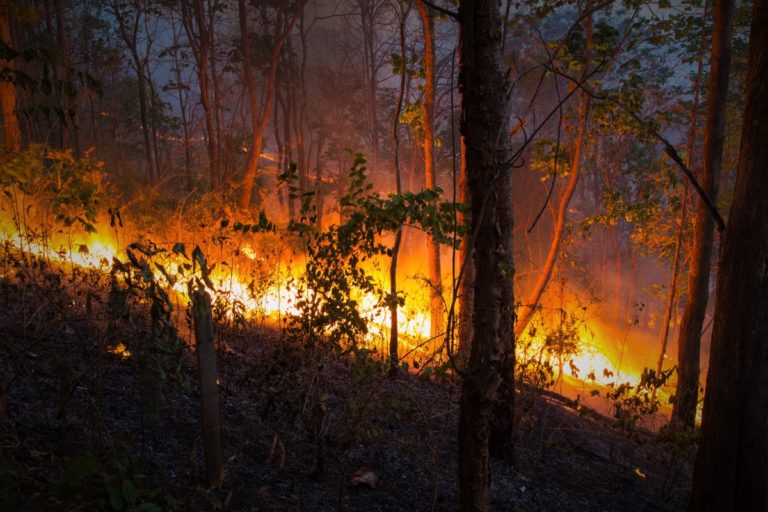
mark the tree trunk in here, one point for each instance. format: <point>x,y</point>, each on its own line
<point>731,467</point>
<point>526,310</point>
<point>11,131</point>
<point>394,359</point>
<point>259,116</point>
<point>130,36</point>
<point>209,389</point>
<point>199,26</point>
<point>436,306</point>
<point>689,339</point>
<point>484,126</point>
<point>368,10</point>
<point>684,205</point>
<point>467,277</point>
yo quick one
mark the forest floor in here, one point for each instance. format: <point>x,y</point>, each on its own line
<point>83,428</point>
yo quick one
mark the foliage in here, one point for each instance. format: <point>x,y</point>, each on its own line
<point>71,189</point>
<point>335,275</point>
<point>631,403</point>
<point>112,480</point>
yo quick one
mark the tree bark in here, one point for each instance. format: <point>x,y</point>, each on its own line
<point>129,31</point>
<point>259,115</point>
<point>394,359</point>
<point>689,338</point>
<point>198,26</point>
<point>436,305</point>
<point>684,204</point>
<point>526,310</point>
<point>731,467</point>
<point>484,126</point>
<point>11,131</point>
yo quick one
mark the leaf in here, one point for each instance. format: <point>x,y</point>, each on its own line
<point>116,500</point>
<point>129,491</point>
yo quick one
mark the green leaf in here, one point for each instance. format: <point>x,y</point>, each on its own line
<point>129,491</point>
<point>116,500</point>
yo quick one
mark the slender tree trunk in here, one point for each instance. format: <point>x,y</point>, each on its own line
<point>11,131</point>
<point>198,25</point>
<point>436,305</point>
<point>130,36</point>
<point>394,359</point>
<point>485,130</point>
<point>259,115</point>
<point>319,188</point>
<point>689,339</point>
<point>216,108</point>
<point>684,203</point>
<point>673,281</point>
<point>68,104</point>
<point>731,467</point>
<point>367,18</point>
<point>526,310</point>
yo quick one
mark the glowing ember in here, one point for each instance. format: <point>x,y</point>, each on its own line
<point>121,350</point>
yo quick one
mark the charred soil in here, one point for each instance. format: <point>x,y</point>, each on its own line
<point>85,427</point>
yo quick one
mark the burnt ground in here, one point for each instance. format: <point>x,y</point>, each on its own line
<point>78,429</point>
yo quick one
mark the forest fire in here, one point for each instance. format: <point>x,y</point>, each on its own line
<point>586,359</point>
<point>314,232</point>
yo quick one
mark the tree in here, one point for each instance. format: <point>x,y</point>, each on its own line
<point>731,467</point>
<point>689,338</point>
<point>402,10</point>
<point>260,116</point>
<point>527,310</point>
<point>11,132</point>
<point>199,20</point>
<point>437,325</point>
<point>129,20</point>
<point>484,127</point>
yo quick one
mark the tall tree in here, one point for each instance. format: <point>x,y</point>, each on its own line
<point>129,22</point>
<point>527,309</point>
<point>691,142</point>
<point>731,468</point>
<point>485,128</point>
<point>402,9</point>
<point>260,113</point>
<point>436,307</point>
<point>198,18</point>
<point>689,338</point>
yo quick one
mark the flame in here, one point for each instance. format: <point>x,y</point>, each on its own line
<point>593,362</point>
<point>121,350</point>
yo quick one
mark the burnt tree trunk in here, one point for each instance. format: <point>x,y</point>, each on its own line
<point>689,339</point>
<point>485,128</point>
<point>731,468</point>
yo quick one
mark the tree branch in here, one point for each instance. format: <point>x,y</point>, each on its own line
<point>669,149</point>
<point>442,10</point>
